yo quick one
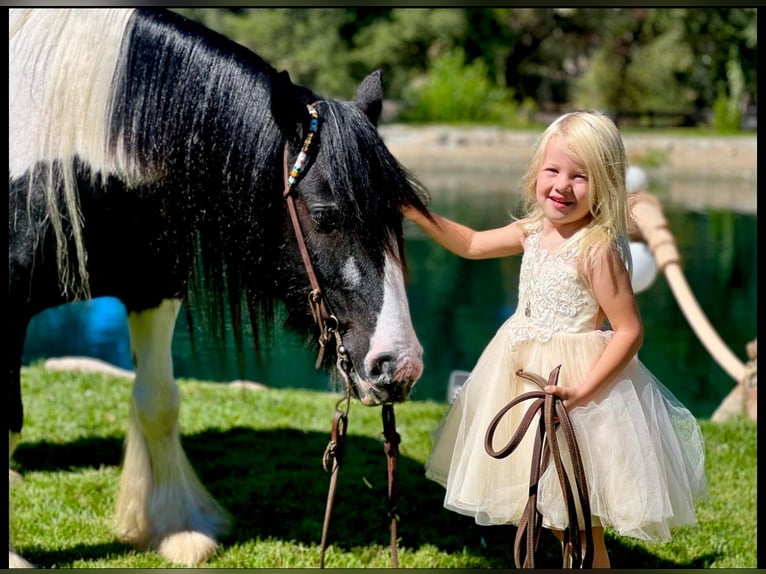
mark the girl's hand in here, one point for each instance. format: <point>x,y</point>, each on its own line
<point>569,396</point>
<point>409,212</point>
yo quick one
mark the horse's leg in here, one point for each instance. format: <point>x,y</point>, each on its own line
<point>15,560</point>
<point>161,504</point>
<point>15,340</point>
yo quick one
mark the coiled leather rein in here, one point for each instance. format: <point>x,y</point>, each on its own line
<point>552,414</point>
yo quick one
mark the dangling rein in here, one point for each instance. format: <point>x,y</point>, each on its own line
<point>552,414</point>
<point>328,331</point>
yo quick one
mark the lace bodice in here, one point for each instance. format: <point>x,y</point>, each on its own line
<point>553,296</point>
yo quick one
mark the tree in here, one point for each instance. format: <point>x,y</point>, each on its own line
<point>625,60</point>
<point>639,66</point>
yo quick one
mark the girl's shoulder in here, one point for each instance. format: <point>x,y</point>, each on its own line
<point>528,226</point>
<point>598,249</point>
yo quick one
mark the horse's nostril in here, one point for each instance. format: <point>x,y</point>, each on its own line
<point>383,364</point>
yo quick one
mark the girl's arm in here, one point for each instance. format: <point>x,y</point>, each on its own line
<point>467,242</point>
<point>610,283</point>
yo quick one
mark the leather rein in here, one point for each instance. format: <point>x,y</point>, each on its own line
<point>328,325</point>
<point>552,415</point>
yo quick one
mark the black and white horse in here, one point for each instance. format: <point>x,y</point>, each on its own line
<point>146,162</point>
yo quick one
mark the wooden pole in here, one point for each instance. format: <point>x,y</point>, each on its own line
<point>650,222</point>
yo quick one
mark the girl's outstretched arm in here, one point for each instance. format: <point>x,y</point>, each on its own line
<point>469,243</point>
<point>610,282</point>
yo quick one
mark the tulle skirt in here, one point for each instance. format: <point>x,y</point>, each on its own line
<point>642,450</point>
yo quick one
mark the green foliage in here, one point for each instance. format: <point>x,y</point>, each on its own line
<point>641,71</point>
<point>716,37</point>
<point>726,115</point>
<point>405,41</point>
<point>726,108</point>
<point>260,455</point>
<point>633,60</point>
<point>454,91</point>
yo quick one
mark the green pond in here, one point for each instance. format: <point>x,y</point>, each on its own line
<point>457,305</point>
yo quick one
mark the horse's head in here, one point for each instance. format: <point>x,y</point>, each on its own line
<point>348,202</point>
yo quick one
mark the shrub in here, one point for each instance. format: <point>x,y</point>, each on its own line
<point>454,91</point>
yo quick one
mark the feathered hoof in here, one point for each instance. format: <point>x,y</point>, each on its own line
<point>16,561</point>
<point>189,548</point>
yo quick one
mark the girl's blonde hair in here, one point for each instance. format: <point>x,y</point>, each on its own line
<point>594,140</point>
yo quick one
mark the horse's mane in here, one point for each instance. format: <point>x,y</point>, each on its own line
<point>193,109</point>
<point>68,80</point>
<point>361,164</point>
<point>188,115</point>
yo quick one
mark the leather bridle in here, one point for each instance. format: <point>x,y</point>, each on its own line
<point>320,309</point>
<point>328,326</point>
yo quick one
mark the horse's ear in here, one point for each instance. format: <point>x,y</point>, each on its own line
<point>286,107</point>
<point>369,96</point>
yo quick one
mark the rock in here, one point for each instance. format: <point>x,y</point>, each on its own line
<point>248,385</point>
<point>743,398</point>
<point>86,365</point>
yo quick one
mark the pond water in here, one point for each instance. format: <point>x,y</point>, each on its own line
<point>457,305</point>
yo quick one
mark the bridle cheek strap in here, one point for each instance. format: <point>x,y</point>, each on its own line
<point>328,330</point>
<point>320,310</point>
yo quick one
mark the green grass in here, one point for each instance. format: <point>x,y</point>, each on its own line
<point>260,455</point>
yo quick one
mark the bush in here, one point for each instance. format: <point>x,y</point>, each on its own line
<point>455,92</point>
<point>726,115</point>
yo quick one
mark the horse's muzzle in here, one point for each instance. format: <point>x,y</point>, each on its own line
<point>372,395</point>
<point>389,379</point>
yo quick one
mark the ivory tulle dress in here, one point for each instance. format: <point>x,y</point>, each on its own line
<point>641,448</point>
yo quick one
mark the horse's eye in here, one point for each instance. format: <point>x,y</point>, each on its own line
<point>325,219</point>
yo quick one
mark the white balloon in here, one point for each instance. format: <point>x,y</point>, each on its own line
<point>636,179</point>
<point>644,266</point>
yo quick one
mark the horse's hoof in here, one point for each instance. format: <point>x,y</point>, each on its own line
<point>189,548</point>
<point>16,561</point>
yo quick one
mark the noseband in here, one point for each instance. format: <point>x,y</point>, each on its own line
<point>320,309</point>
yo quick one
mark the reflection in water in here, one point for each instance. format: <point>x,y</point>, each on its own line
<point>457,306</point>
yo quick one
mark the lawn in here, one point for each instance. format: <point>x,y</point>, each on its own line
<point>260,454</point>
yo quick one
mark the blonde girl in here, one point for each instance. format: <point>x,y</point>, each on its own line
<point>641,448</point>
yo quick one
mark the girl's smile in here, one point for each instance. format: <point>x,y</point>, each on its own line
<point>562,186</point>
<point>559,202</point>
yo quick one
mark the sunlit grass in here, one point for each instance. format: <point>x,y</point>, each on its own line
<point>260,454</point>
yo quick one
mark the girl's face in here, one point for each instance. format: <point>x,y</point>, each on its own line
<point>562,186</point>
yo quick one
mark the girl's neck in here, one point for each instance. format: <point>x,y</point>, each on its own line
<point>553,235</point>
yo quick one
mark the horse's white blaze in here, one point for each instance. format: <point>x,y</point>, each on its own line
<point>161,503</point>
<point>394,332</point>
<point>351,273</point>
<point>58,97</point>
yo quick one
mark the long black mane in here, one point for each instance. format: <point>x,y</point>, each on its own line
<point>194,112</point>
